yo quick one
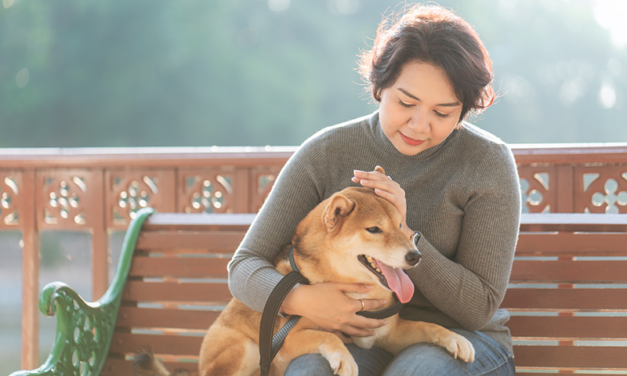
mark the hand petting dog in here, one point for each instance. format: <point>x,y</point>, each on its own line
<point>384,186</point>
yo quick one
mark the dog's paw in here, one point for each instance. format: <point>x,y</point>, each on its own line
<point>341,362</point>
<point>459,347</point>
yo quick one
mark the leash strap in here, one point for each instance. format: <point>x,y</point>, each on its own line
<point>269,346</point>
<point>384,313</point>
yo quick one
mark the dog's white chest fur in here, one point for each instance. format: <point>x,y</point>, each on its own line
<point>368,342</point>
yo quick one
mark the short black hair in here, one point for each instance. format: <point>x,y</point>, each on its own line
<point>434,35</point>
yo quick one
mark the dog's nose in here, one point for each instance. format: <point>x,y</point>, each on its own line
<point>412,257</point>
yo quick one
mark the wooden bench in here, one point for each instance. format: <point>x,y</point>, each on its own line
<point>171,284</point>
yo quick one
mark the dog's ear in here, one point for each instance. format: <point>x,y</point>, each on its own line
<point>338,207</point>
<point>379,169</point>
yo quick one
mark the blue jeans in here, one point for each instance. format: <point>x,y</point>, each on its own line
<point>423,359</point>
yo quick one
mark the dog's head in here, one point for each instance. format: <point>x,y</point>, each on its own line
<point>356,236</point>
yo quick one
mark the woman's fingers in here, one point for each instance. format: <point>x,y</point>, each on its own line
<point>357,332</point>
<point>384,187</point>
<point>354,287</point>
<point>371,175</point>
<point>377,180</point>
<point>370,304</point>
<point>343,336</point>
<point>327,305</point>
<point>362,304</point>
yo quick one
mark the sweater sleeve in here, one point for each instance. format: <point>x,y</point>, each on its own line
<point>297,189</point>
<point>470,287</point>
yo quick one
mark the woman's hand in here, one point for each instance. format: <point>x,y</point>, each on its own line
<point>387,188</point>
<point>327,305</point>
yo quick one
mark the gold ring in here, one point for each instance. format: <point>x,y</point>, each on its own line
<point>362,305</point>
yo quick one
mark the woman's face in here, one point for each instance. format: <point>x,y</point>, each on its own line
<point>420,109</point>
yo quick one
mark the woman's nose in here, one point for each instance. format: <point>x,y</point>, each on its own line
<point>419,122</point>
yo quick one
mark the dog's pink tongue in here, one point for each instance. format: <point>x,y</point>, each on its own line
<point>398,281</point>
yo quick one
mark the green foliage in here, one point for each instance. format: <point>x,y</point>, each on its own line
<point>236,73</point>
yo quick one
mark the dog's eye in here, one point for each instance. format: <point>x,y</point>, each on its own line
<point>374,230</point>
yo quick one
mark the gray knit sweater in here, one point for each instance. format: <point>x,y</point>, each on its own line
<point>462,195</point>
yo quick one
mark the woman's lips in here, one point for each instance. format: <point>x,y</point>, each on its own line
<point>411,141</point>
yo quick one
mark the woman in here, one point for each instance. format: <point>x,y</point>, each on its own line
<point>456,185</point>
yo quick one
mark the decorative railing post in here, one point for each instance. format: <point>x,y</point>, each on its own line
<point>27,219</point>
<point>99,235</point>
<point>565,189</point>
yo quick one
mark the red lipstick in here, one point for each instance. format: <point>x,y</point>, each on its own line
<point>410,141</point>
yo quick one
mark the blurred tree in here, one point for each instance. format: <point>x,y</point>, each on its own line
<point>273,72</point>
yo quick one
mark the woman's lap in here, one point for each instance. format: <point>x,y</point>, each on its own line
<point>421,359</point>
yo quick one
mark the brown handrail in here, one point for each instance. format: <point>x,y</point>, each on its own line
<point>215,156</point>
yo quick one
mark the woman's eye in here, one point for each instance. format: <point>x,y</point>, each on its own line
<point>438,114</point>
<point>405,104</point>
<point>374,230</point>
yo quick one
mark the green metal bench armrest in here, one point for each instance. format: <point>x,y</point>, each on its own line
<point>84,330</point>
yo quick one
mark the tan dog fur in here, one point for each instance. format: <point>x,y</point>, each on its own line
<point>327,245</point>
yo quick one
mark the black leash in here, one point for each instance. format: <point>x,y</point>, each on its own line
<point>384,313</point>
<point>269,346</point>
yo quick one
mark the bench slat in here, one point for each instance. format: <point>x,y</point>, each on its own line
<point>573,222</point>
<point>571,244</point>
<point>127,343</point>
<point>567,299</point>
<point>571,356</point>
<point>576,327</point>
<point>198,222</point>
<point>207,241</point>
<point>180,267</point>
<point>568,271</point>
<point>133,317</point>
<point>117,367</point>
<point>139,291</point>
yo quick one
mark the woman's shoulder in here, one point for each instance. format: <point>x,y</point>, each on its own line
<point>483,144</point>
<point>340,138</point>
<point>339,133</point>
<point>485,156</point>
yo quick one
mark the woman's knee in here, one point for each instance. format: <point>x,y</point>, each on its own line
<point>427,359</point>
<point>422,359</point>
<point>371,362</point>
<point>310,364</point>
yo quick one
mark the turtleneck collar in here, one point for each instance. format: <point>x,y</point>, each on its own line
<point>386,145</point>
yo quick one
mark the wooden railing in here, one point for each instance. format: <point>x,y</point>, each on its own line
<point>99,190</point>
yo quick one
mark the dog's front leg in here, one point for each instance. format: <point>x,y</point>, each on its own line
<point>408,333</point>
<point>311,341</point>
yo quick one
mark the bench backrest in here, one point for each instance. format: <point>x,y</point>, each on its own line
<point>176,287</point>
<point>568,293</point>
<point>568,287</point>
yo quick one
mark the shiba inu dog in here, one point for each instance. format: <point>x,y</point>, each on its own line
<point>354,236</point>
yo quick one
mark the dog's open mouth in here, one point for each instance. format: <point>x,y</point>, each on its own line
<point>394,279</point>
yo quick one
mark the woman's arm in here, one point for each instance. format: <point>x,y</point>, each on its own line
<point>296,191</point>
<point>252,277</point>
<point>471,287</point>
